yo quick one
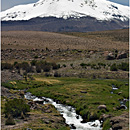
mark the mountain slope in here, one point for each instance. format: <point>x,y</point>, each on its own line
<point>99,9</point>
<point>52,24</point>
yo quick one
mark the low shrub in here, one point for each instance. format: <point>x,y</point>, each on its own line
<point>124,66</point>
<point>71,65</point>
<point>15,107</point>
<point>38,68</point>
<point>64,65</point>
<point>15,63</point>
<point>56,74</point>
<point>10,121</point>
<point>113,67</point>
<point>83,64</point>
<point>6,66</point>
<point>46,68</point>
<point>36,57</point>
<point>55,66</point>
<point>33,62</point>
<point>47,75</point>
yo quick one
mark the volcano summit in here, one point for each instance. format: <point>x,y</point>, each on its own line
<point>70,15</point>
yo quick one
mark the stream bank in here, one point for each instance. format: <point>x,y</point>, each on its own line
<point>69,113</point>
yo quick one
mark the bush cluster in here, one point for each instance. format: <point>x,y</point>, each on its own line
<point>28,67</point>
<point>45,66</point>
<point>15,107</point>
<point>114,67</point>
<point>93,66</point>
<point>123,66</point>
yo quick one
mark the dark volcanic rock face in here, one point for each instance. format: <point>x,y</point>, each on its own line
<point>52,24</point>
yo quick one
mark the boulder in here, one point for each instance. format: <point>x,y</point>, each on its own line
<point>105,53</point>
<point>39,101</point>
<point>110,56</point>
<point>123,107</point>
<point>104,117</point>
<point>77,116</point>
<point>102,107</point>
<point>122,55</point>
<point>119,93</point>
<point>72,126</point>
<point>29,129</point>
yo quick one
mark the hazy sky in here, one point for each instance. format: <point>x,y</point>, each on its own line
<point>6,4</point>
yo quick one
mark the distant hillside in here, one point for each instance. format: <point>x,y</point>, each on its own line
<point>105,40</point>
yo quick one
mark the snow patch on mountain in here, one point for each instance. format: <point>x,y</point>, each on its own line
<point>99,9</point>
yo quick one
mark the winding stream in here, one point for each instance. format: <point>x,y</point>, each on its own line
<point>69,113</point>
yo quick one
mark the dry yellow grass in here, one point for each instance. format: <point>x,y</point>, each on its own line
<point>48,81</point>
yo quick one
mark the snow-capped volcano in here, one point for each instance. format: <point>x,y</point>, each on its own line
<point>99,9</point>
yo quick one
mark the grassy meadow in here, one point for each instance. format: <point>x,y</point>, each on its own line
<point>83,94</point>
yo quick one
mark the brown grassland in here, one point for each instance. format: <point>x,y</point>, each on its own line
<point>105,40</point>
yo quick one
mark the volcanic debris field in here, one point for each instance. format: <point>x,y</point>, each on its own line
<point>88,71</point>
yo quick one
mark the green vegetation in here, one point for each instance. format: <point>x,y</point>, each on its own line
<point>45,117</point>
<point>114,67</point>
<point>85,95</point>
<point>64,65</point>
<point>28,67</point>
<point>83,65</point>
<point>123,66</point>
<point>106,125</point>
<point>15,108</point>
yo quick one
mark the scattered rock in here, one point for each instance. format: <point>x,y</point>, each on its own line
<point>123,107</point>
<point>110,56</point>
<point>104,117</point>
<point>6,75</point>
<point>91,52</point>
<point>122,55</point>
<point>94,125</point>
<point>126,84</point>
<point>105,53</point>
<point>120,122</point>
<point>77,116</point>
<point>13,71</point>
